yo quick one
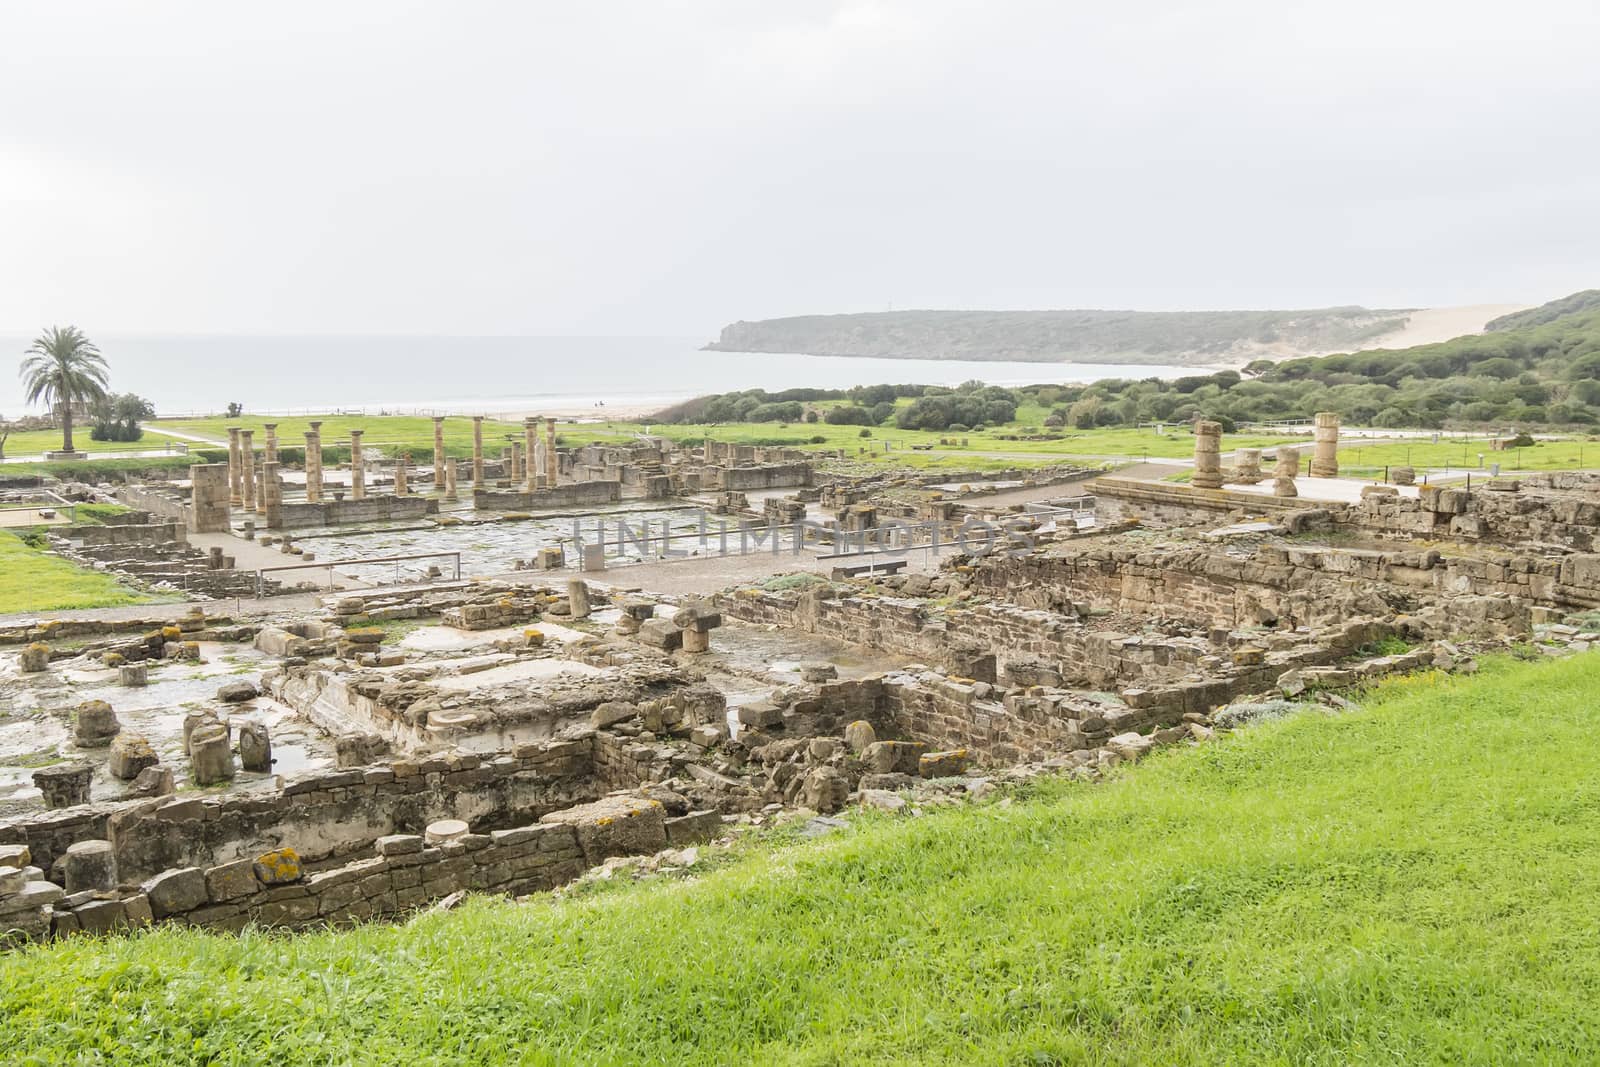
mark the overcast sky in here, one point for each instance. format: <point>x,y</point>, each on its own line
<point>665,167</point>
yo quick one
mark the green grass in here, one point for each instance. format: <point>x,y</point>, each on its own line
<point>95,470</point>
<point>390,432</point>
<point>33,581</point>
<point>30,442</point>
<point>1413,882</point>
<point>394,433</point>
<point>1571,453</point>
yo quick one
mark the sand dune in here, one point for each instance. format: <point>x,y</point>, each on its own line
<point>1431,325</point>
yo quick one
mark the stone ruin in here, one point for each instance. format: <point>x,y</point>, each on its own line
<point>535,729</point>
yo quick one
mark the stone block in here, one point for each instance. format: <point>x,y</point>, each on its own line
<point>660,633</point>
<point>893,757</point>
<point>825,790</point>
<point>612,712</point>
<point>859,735</point>
<point>281,866</point>
<point>130,754</point>
<point>100,916</point>
<point>95,724</point>
<point>760,715</point>
<point>210,754</point>
<point>614,826</point>
<point>255,746</point>
<point>64,785</point>
<point>33,658</point>
<point>175,892</point>
<point>398,844</point>
<point>90,865</point>
<point>693,828</point>
<point>943,764</point>
<point>230,881</point>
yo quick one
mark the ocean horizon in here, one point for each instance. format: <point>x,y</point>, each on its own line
<point>202,374</point>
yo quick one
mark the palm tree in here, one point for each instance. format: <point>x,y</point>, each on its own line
<point>64,368</point>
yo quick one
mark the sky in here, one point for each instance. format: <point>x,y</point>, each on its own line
<point>665,167</point>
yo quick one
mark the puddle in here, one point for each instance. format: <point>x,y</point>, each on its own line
<point>39,731</point>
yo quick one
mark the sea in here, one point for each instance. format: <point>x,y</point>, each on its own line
<point>201,375</point>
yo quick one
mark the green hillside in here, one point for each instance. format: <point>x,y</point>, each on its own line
<point>1414,882</point>
<point>1587,300</point>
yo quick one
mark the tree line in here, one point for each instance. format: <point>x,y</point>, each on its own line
<point>1544,372</point>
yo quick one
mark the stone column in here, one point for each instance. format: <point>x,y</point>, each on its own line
<point>450,480</point>
<point>314,463</point>
<point>235,489</point>
<point>516,463</point>
<point>65,785</point>
<point>272,494</point>
<point>247,467</point>
<point>438,453</point>
<point>530,445</point>
<point>1207,455</point>
<point>1247,466</point>
<point>89,865</point>
<point>1287,470</point>
<point>552,469</point>
<point>210,754</point>
<point>400,473</point>
<point>358,469</point>
<point>271,453</point>
<point>477,452</point>
<point>578,598</point>
<point>1325,453</point>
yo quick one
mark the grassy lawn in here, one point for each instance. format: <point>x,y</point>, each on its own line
<point>382,431</point>
<point>1565,454</point>
<point>1412,882</point>
<point>34,581</point>
<point>396,432</point>
<point>32,442</point>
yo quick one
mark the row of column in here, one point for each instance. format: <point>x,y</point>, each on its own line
<point>1208,457</point>
<point>245,479</point>
<point>537,462</point>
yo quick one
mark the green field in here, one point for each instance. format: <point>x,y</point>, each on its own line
<point>1414,882</point>
<point>33,442</point>
<point>1571,453</point>
<point>34,581</point>
<point>412,432</point>
<point>987,449</point>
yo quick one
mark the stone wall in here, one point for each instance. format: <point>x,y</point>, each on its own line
<point>1301,584</point>
<point>323,815</point>
<point>977,642</point>
<point>1551,510</point>
<point>165,501</point>
<point>767,476</point>
<point>208,498</point>
<point>301,515</point>
<point>575,494</point>
<point>128,533</point>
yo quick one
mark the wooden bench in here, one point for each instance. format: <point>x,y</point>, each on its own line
<point>894,566</point>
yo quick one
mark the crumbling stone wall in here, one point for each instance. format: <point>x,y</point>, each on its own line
<point>1306,585</point>
<point>299,515</point>
<point>574,494</point>
<point>322,815</point>
<point>978,642</point>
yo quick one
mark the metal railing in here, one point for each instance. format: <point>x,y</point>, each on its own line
<point>262,572</point>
